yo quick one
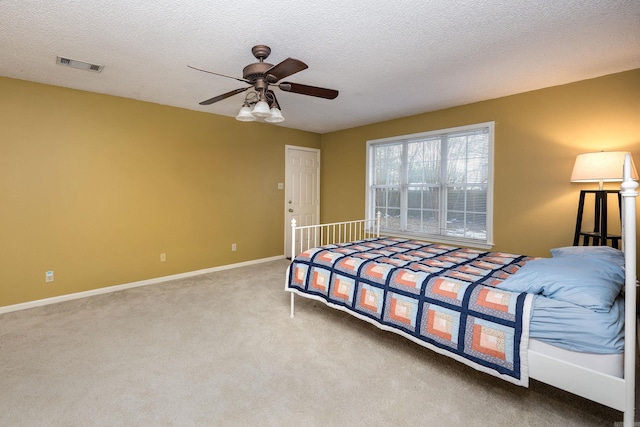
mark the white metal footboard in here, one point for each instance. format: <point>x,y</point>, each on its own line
<point>310,236</point>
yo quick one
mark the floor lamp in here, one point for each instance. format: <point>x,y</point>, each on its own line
<point>600,167</point>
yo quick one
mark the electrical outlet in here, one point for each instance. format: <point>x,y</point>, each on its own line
<point>163,257</point>
<point>233,247</point>
<point>48,276</point>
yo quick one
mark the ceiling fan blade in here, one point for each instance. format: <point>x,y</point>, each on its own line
<point>223,96</point>
<point>284,69</point>
<point>308,90</point>
<point>221,75</point>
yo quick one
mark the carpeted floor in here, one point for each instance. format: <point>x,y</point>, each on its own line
<point>220,350</point>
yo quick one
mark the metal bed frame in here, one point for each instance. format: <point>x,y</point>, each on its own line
<point>608,390</point>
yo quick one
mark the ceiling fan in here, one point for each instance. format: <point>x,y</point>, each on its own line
<point>261,76</point>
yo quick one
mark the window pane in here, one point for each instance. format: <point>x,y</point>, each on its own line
<point>424,161</point>
<point>466,212</point>
<point>388,164</point>
<point>468,158</point>
<point>478,159</point>
<point>388,204</point>
<point>423,213</point>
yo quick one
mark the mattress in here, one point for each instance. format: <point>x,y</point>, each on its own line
<point>576,328</point>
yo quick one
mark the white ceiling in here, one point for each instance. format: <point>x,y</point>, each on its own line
<point>388,59</point>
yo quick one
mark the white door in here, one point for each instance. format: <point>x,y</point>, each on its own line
<point>302,189</point>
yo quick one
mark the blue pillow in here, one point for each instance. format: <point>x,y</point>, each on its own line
<point>588,282</point>
<point>605,253</point>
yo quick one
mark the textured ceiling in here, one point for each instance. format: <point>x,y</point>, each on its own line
<point>387,59</point>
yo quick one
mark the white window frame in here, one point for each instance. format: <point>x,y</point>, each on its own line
<point>439,238</point>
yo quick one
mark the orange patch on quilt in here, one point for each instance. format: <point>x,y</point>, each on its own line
<point>501,275</point>
<point>298,277</point>
<point>471,270</point>
<point>340,289</point>
<point>485,265</point>
<point>434,263</point>
<point>407,279</point>
<point>486,344</point>
<point>400,312</point>
<point>318,281</point>
<point>445,288</point>
<point>493,282</point>
<point>498,260</point>
<point>350,264</point>
<point>492,299</point>
<point>326,257</point>
<point>462,276</point>
<point>435,327</point>
<point>369,300</point>
<point>375,271</point>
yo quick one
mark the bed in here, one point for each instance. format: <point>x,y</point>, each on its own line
<point>500,313</point>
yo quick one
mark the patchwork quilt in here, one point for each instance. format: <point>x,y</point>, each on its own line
<point>441,297</point>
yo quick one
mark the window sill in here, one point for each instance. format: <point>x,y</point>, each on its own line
<point>440,239</point>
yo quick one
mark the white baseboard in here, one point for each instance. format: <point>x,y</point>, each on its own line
<point>115,288</point>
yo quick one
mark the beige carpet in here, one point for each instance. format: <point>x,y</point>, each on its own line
<point>220,350</point>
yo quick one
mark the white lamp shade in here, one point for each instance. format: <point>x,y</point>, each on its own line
<point>603,166</point>
<point>261,109</point>
<point>275,117</point>
<point>244,115</point>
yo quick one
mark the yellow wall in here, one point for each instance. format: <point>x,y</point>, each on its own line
<point>537,137</point>
<point>95,187</point>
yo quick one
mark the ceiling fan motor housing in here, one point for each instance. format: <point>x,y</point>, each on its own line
<point>258,70</point>
<point>253,72</point>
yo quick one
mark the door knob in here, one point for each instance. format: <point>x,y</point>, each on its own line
<point>290,210</point>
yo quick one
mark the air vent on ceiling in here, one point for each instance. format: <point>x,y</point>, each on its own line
<point>80,65</point>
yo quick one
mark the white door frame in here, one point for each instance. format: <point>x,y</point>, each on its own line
<point>287,195</point>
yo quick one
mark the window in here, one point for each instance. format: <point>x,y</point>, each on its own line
<point>435,185</point>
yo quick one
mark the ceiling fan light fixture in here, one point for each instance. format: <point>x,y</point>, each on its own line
<point>244,115</point>
<point>275,117</point>
<point>261,109</point>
